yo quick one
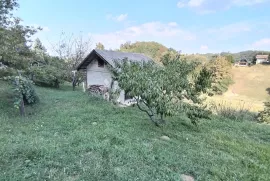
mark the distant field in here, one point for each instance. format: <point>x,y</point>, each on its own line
<point>249,88</point>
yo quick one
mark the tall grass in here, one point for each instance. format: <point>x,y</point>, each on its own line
<point>238,112</point>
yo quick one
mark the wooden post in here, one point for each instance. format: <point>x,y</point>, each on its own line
<point>83,85</point>
<point>74,79</point>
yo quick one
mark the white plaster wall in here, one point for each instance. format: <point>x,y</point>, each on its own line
<point>98,75</point>
<point>102,76</point>
<point>260,60</point>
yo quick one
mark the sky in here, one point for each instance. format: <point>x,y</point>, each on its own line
<point>192,26</point>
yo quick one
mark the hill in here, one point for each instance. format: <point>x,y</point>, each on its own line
<point>71,136</point>
<point>250,88</point>
<point>152,49</point>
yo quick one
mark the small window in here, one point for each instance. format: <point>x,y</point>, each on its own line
<point>127,96</point>
<point>100,63</point>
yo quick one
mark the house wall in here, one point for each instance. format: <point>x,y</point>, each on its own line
<point>98,75</point>
<point>102,76</point>
<point>260,60</point>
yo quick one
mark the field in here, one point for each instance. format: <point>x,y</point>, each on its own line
<point>70,136</point>
<point>250,89</point>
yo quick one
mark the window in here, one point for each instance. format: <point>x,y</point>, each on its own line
<point>127,96</point>
<point>100,63</point>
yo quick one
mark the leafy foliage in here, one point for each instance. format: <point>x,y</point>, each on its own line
<point>100,46</point>
<point>23,90</point>
<point>222,76</point>
<point>162,91</point>
<point>264,116</point>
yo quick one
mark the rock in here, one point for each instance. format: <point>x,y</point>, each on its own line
<point>94,123</point>
<point>184,177</point>
<point>165,138</point>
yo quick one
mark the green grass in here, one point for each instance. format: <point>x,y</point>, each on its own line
<point>57,140</point>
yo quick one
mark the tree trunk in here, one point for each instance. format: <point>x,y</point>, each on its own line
<point>22,109</point>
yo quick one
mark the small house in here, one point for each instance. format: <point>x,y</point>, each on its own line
<point>243,63</point>
<point>96,65</point>
<point>260,59</point>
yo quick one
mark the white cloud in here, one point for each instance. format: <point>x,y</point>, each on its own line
<point>248,2</point>
<point>169,34</point>
<point>119,18</point>
<point>172,24</point>
<point>204,47</point>
<point>262,43</point>
<point>232,28</point>
<point>44,28</point>
<point>209,6</point>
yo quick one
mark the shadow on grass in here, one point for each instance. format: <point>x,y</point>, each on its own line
<point>268,90</point>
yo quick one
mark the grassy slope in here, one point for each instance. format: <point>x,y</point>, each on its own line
<point>57,141</point>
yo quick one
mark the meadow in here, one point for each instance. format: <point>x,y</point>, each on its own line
<point>71,136</point>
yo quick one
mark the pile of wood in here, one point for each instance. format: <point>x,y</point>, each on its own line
<point>99,90</point>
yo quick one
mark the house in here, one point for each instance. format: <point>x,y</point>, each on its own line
<point>243,63</point>
<point>260,59</point>
<point>98,72</point>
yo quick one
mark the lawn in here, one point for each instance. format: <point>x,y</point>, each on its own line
<point>70,136</point>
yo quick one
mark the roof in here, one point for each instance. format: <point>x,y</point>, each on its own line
<point>262,56</point>
<point>243,60</point>
<point>110,56</point>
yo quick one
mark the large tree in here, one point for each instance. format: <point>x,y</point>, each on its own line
<point>14,37</point>
<point>72,49</point>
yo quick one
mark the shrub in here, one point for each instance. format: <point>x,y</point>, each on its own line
<point>23,90</point>
<point>264,116</point>
<point>5,72</point>
<point>46,76</point>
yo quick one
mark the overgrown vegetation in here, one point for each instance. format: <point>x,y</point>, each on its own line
<point>241,113</point>
<point>221,69</point>
<point>264,116</point>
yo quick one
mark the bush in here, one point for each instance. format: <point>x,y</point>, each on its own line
<point>264,116</point>
<point>46,76</point>
<point>5,72</point>
<point>23,90</point>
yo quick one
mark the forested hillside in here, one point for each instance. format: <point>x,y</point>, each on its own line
<point>152,49</point>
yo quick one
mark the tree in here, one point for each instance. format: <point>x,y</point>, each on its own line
<point>15,52</point>
<point>72,50</point>
<point>100,46</point>
<point>14,37</point>
<point>221,69</point>
<point>38,46</point>
<point>164,90</point>
<point>229,58</point>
